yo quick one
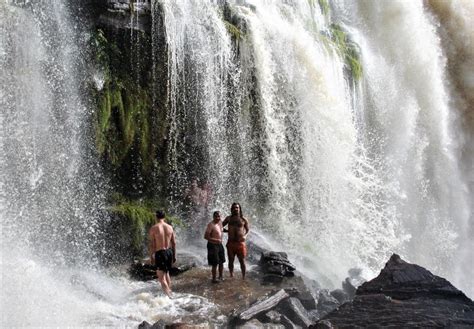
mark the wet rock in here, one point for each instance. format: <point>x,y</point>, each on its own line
<point>143,271</point>
<point>305,297</point>
<point>254,323</point>
<point>401,280</point>
<point>340,295</point>
<point>127,14</point>
<point>349,288</point>
<point>326,302</point>
<point>272,317</point>
<point>288,323</point>
<point>144,325</point>
<point>350,284</point>
<point>404,295</point>
<point>271,279</point>
<point>255,248</point>
<point>275,266</point>
<point>314,315</point>
<point>295,311</point>
<point>324,324</point>
<point>259,307</point>
<point>157,325</point>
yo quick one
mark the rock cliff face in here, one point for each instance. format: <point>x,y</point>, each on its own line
<point>129,88</point>
<point>404,296</point>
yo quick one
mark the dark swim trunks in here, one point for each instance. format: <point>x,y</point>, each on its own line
<point>164,259</point>
<point>215,254</point>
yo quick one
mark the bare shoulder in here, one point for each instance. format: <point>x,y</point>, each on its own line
<point>245,219</point>
<point>152,229</point>
<point>169,227</point>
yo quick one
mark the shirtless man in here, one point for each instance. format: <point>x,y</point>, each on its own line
<point>238,230</point>
<point>215,250</point>
<point>162,250</point>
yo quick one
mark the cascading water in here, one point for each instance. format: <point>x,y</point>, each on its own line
<point>52,205</point>
<point>410,129</point>
<point>264,108</point>
<point>49,205</point>
<point>341,171</point>
<point>200,71</point>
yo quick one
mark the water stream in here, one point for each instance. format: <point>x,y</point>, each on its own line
<point>340,172</point>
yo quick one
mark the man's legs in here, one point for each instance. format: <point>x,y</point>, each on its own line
<point>163,278</point>
<point>221,270</point>
<point>168,280</point>
<point>214,270</point>
<point>231,256</point>
<point>242,265</point>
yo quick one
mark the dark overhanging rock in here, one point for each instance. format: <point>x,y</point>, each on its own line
<point>275,266</point>
<point>404,296</point>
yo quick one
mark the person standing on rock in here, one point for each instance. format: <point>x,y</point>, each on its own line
<point>215,249</point>
<point>162,250</point>
<point>237,230</point>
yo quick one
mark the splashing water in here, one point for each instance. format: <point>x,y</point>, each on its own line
<point>342,172</point>
<point>337,171</point>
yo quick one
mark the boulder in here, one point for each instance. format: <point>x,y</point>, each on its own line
<point>340,295</point>
<point>261,306</point>
<point>140,270</point>
<point>272,317</point>
<point>326,302</point>
<point>288,323</point>
<point>401,280</point>
<point>306,298</point>
<point>404,295</point>
<point>295,311</point>
<point>350,284</point>
<point>275,266</point>
<point>157,325</point>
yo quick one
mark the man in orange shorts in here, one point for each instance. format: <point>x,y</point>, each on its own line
<point>238,230</point>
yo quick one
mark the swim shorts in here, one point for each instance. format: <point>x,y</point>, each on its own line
<point>215,254</point>
<point>237,248</point>
<point>164,259</point>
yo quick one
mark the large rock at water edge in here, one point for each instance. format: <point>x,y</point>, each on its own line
<point>404,296</point>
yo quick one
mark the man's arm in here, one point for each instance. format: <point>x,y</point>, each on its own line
<point>207,234</point>
<point>173,245</point>
<point>246,226</point>
<point>224,223</point>
<point>151,245</point>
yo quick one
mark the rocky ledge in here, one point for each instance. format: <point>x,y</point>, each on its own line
<point>404,295</point>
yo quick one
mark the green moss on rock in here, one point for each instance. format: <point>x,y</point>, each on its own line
<point>233,30</point>
<point>324,5</point>
<point>139,216</point>
<point>347,49</point>
<point>124,110</point>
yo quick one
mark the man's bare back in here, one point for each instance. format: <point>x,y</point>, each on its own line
<point>161,236</point>
<point>162,250</point>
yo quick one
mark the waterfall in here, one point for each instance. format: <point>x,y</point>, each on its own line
<point>202,76</point>
<point>414,132</point>
<point>343,128</point>
<point>49,199</point>
<point>340,171</point>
